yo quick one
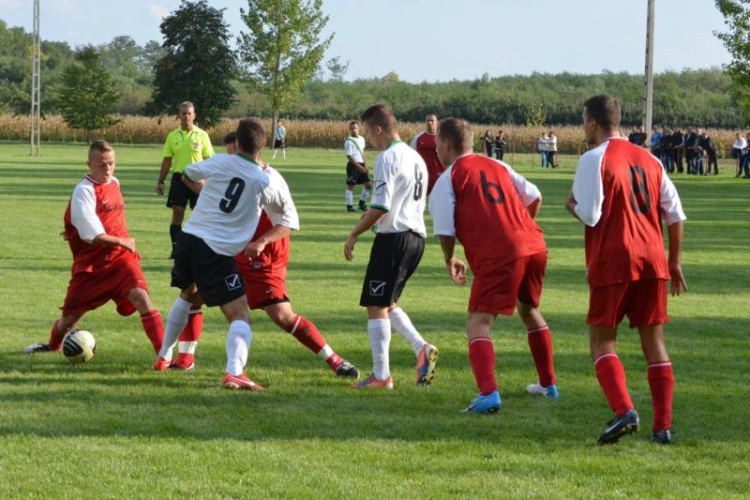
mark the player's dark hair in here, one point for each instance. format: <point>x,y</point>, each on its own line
<point>100,146</point>
<point>457,133</point>
<point>250,135</point>
<point>604,110</point>
<point>380,116</point>
<point>230,138</point>
<point>353,123</point>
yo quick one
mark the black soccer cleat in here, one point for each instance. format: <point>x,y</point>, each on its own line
<point>663,436</point>
<point>362,206</point>
<point>347,370</point>
<point>350,209</point>
<point>627,423</point>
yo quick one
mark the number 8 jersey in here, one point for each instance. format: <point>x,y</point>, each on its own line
<point>621,191</point>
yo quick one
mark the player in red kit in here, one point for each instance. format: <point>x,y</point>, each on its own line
<point>105,262</point>
<point>490,209</point>
<point>424,144</point>
<point>620,193</point>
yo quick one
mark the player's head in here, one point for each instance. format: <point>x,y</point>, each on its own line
<point>354,129</point>
<point>601,118</point>
<point>454,139</point>
<point>101,161</point>
<point>187,115</point>
<point>500,132</point>
<point>230,142</point>
<point>380,124</point>
<point>251,136</point>
<point>431,122</point>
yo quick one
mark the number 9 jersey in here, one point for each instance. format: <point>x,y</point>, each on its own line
<point>621,191</point>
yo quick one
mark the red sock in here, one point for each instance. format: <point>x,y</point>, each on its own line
<point>482,358</point>
<point>306,333</point>
<point>55,338</point>
<point>189,338</point>
<point>154,328</point>
<point>611,377</point>
<point>540,343</point>
<point>661,381</point>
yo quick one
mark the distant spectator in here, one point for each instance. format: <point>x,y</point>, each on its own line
<point>678,143</point>
<point>709,146</point>
<point>655,140</point>
<point>740,143</point>
<point>689,148</point>
<point>634,135</point>
<point>745,160</point>
<point>543,141</point>
<point>695,146</point>
<point>551,149</point>
<point>666,148</point>
<point>642,137</point>
<point>489,143</point>
<point>279,141</point>
<point>500,145</point>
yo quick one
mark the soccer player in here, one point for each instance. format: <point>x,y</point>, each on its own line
<point>424,144</point>
<point>279,140</point>
<point>491,209</point>
<point>185,145</point>
<point>398,204</point>
<point>356,169</point>
<point>105,261</point>
<point>235,191</point>
<point>619,193</point>
<point>265,282</point>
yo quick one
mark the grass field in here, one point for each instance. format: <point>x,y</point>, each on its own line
<point>114,428</point>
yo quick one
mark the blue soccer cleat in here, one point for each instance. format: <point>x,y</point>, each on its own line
<point>546,392</point>
<point>484,404</point>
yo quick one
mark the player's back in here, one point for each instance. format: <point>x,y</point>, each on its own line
<point>426,146</point>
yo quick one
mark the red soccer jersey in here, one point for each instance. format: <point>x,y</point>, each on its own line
<point>426,146</point>
<point>110,210</point>
<point>274,256</point>
<point>627,243</point>
<point>491,219</point>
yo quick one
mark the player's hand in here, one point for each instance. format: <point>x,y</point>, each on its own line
<point>457,271</point>
<point>678,279</point>
<point>254,249</point>
<point>349,247</point>
<point>128,244</point>
<point>160,188</point>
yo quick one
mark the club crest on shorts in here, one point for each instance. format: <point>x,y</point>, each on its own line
<point>377,288</point>
<point>233,281</point>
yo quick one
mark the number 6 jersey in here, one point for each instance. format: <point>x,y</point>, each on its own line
<point>235,192</point>
<point>621,192</point>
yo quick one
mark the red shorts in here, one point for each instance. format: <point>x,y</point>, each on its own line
<point>88,291</point>
<point>264,285</point>
<point>497,290</point>
<point>644,302</point>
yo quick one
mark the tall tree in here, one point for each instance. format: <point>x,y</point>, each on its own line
<point>87,96</point>
<point>283,49</point>
<point>198,64</point>
<point>737,41</point>
<point>337,69</point>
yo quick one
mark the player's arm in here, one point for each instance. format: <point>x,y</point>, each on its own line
<point>276,233</point>
<point>587,194</point>
<point>456,268</point>
<point>529,193</point>
<point>671,208</point>
<point>193,185</point>
<point>443,210</point>
<point>359,166</point>
<point>89,226</point>
<point>369,219</point>
<point>166,164</point>
<point>278,204</point>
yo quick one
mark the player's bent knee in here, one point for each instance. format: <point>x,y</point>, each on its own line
<point>140,299</point>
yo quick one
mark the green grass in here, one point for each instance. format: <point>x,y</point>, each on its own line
<point>113,428</point>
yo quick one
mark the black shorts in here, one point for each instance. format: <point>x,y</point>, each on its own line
<point>355,176</point>
<point>393,259</point>
<point>216,275</point>
<point>279,144</point>
<point>180,194</point>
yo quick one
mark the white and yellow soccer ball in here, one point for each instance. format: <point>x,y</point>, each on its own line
<point>79,346</point>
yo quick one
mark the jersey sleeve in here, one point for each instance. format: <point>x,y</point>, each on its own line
<point>208,148</point>
<point>83,214</point>
<point>443,205</point>
<point>167,151</point>
<point>278,203</point>
<point>669,201</point>
<point>198,171</point>
<point>588,188</point>
<point>349,148</point>
<point>385,177</point>
<point>528,191</point>
<point>413,143</point>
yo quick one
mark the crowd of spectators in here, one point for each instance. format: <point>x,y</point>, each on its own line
<point>693,152</point>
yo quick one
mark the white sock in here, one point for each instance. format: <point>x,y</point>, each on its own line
<point>189,347</point>
<point>239,338</point>
<point>403,326</point>
<point>274,154</point>
<point>177,319</point>
<point>380,341</point>
<point>283,153</point>
<point>325,352</point>
<point>349,198</point>
<point>365,194</point>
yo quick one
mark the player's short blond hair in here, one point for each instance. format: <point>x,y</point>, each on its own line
<point>100,146</point>
<point>456,132</point>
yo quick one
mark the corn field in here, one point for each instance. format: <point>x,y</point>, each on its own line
<point>300,133</point>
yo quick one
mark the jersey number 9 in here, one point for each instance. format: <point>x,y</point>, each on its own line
<point>232,195</point>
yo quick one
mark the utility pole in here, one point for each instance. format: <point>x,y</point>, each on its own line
<point>649,104</point>
<point>36,78</point>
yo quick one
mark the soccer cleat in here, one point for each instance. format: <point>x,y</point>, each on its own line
<point>362,206</point>
<point>426,361</point>
<point>627,423</point>
<point>373,383</point>
<point>663,436</point>
<point>539,390</point>
<point>240,382</point>
<point>350,209</point>
<point>37,348</point>
<point>161,364</point>
<point>178,366</point>
<point>484,404</point>
<point>347,370</point>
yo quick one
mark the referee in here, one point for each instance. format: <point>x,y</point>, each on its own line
<point>185,145</point>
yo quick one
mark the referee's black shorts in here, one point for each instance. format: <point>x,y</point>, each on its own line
<point>179,194</point>
<point>393,259</point>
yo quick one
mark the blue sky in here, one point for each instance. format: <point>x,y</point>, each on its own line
<point>441,39</point>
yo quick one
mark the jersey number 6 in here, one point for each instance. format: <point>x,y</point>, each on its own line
<point>232,195</point>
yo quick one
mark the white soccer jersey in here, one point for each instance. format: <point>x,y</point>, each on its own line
<point>400,189</point>
<point>289,217</point>
<point>230,203</point>
<point>355,147</point>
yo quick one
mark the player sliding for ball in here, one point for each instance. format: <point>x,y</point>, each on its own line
<point>491,209</point>
<point>105,262</point>
<point>235,192</point>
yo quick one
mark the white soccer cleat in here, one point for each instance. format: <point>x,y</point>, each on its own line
<point>539,390</point>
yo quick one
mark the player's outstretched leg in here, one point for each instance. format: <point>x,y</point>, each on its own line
<point>540,344</point>
<point>61,326</point>
<point>482,358</point>
<point>379,330</point>
<point>177,319</point>
<point>239,339</point>
<point>188,340</point>
<point>660,380</point>
<point>150,317</point>
<point>427,354</point>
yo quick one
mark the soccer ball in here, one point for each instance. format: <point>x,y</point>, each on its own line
<point>79,346</point>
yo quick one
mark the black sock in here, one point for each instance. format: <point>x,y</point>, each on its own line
<point>174,232</point>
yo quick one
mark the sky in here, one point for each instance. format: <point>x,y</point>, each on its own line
<point>440,40</point>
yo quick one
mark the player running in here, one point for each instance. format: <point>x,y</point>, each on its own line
<point>424,144</point>
<point>233,196</point>
<point>356,168</point>
<point>105,261</point>
<point>491,209</point>
<point>619,193</point>
<point>397,208</point>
